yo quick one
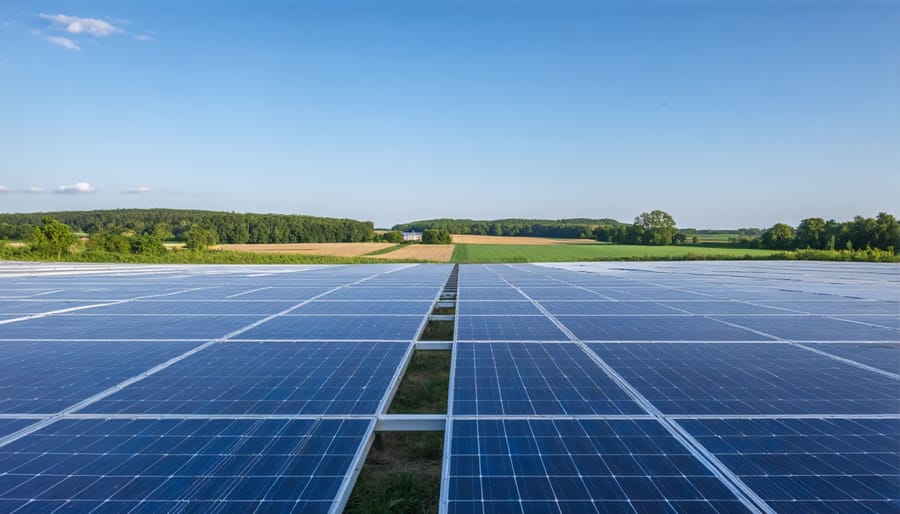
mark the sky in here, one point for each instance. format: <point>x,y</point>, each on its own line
<point>726,114</point>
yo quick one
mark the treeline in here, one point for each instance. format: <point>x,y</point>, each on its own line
<point>176,225</point>
<point>881,232</point>
<point>575,228</point>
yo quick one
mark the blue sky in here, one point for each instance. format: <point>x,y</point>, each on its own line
<point>725,113</point>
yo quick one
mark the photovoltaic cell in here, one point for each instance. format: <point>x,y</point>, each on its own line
<point>9,426</point>
<point>71,326</point>
<point>844,306</point>
<point>383,293</point>
<point>487,308</point>
<point>560,293</point>
<point>489,293</point>
<point>195,307</point>
<point>533,379</point>
<point>606,308</point>
<point>545,465</point>
<point>654,328</point>
<point>420,308</point>
<point>19,308</point>
<point>810,465</point>
<point>814,328</point>
<point>306,378</point>
<point>242,465</point>
<point>46,377</point>
<point>884,356</point>
<point>336,328</point>
<point>748,378</point>
<point>723,307</point>
<point>507,328</point>
<point>882,321</point>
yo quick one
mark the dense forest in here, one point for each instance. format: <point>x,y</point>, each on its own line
<point>175,224</point>
<point>576,228</point>
<point>881,232</point>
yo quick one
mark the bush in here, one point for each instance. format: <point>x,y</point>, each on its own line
<point>434,236</point>
<point>394,236</point>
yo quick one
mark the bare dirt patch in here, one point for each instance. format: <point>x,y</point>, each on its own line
<point>435,253</point>
<point>333,249</point>
<point>515,240</point>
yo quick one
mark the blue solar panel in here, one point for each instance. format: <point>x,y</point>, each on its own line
<point>45,377</point>
<point>654,328</point>
<point>560,293</point>
<point>86,326</point>
<point>884,356</point>
<point>810,465</point>
<point>533,378</point>
<point>482,308</point>
<point>808,328</point>
<point>606,308</point>
<point>181,465</point>
<point>489,293</point>
<point>648,293</point>
<point>365,307</point>
<point>748,378</point>
<point>723,307</point>
<point>507,328</point>
<point>19,308</point>
<point>9,426</point>
<point>266,378</point>
<point>842,306</point>
<point>336,328</point>
<point>544,465</point>
<point>255,291</point>
<point>383,293</point>
<point>195,307</point>
<point>882,321</point>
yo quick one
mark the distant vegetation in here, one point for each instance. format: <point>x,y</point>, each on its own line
<point>566,228</point>
<point>176,225</point>
<point>472,253</point>
<point>436,236</point>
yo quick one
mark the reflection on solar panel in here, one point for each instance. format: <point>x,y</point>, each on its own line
<point>536,378</point>
<point>487,308</point>
<point>195,307</point>
<point>606,308</point>
<point>336,327</point>
<point>748,378</point>
<point>365,307</point>
<point>884,356</point>
<point>805,328</point>
<point>507,328</point>
<point>169,465</point>
<point>8,426</point>
<point>267,378</point>
<point>544,465</point>
<point>810,465</point>
<point>76,326</point>
<point>49,376</point>
<point>655,328</point>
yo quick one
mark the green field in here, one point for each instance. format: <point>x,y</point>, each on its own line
<point>468,253</point>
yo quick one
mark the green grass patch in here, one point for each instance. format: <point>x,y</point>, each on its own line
<point>437,330</point>
<point>425,385</point>
<point>468,253</point>
<point>402,474</point>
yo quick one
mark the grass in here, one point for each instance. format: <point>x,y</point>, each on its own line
<point>437,331</point>
<point>425,385</point>
<point>466,253</point>
<point>402,474</point>
<point>194,257</point>
<point>383,251</point>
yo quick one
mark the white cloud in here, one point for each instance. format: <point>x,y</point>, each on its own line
<point>144,38</point>
<point>76,25</point>
<point>76,188</point>
<point>4,189</point>
<point>63,42</point>
<point>34,190</point>
<point>138,190</point>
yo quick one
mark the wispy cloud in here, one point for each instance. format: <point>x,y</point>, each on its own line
<point>138,190</point>
<point>144,38</point>
<point>4,189</point>
<point>63,42</point>
<point>76,188</point>
<point>34,190</point>
<point>76,25</point>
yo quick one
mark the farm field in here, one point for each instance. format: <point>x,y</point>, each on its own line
<point>515,240</point>
<point>331,249</point>
<point>480,253</point>
<point>419,252</point>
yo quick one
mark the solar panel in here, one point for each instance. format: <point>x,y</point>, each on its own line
<point>488,308</point>
<point>507,328</point>
<point>194,307</point>
<point>881,321</point>
<point>723,307</point>
<point>533,379</point>
<point>20,307</point>
<point>840,306</point>
<point>71,326</point>
<point>181,464</point>
<point>336,328</point>
<point>654,328</point>
<point>807,328</point>
<point>885,356</point>
<point>747,378</point>
<point>420,308</point>
<point>46,377</point>
<point>9,425</point>
<point>489,293</point>
<point>383,293</point>
<point>606,308</point>
<point>560,293</point>
<point>267,378</point>
<point>810,465</point>
<point>566,465</point>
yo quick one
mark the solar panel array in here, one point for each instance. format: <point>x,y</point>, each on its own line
<point>234,389</point>
<point>679,387</point>
<point>686,387</point>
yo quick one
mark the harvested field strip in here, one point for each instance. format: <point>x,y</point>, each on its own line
<point>434,253</point>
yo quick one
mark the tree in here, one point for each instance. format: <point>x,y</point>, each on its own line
<point>434,236</point>
<point>111,242</point>
<point>779,237</point>
<point>394,236</point>
<point>658,227</point>
<point>811,234</point>
<point>52,237</point>
<point>147,244</point>
<point>200,238</point>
